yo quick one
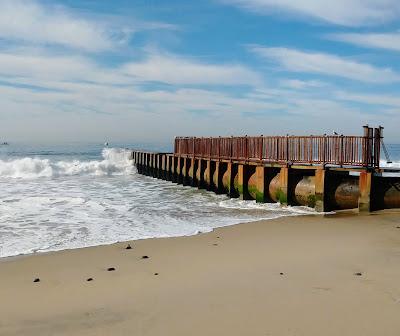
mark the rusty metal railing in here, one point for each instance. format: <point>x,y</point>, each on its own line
<point>337,150</point>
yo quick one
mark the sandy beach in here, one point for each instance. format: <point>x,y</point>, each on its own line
<point>304,275</point>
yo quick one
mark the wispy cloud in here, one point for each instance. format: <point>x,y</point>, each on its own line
<point>389,41</point>
<point>30,21</point>
<point>174,69</point>
<point>326,64</point>
<point>340,12</point>
<point>369,98</point>
<point>302,84</point>
<point>34,22</point>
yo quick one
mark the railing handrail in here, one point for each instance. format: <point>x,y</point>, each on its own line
<point>340,150</point>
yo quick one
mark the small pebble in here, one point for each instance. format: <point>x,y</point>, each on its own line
<point>358,273</point>
<point>89,279</point>
<point>110,269</point>
<point>145,257</point>
<point>281,273</point>
<point>218,237</point>
<point>397,227</point>
<point>36,280</point>
<point>215,244</point>
<point>129,247</point>
<point>155,273</point>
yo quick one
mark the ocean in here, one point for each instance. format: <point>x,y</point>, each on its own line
<point>79,195</point>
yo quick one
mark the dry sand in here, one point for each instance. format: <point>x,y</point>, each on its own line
<point>227,282</point>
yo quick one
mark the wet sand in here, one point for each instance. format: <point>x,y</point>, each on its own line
<point>306,275</point>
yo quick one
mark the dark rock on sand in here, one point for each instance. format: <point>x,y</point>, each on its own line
<point>110,269</point>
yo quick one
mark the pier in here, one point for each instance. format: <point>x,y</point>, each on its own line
<point>327,172</point>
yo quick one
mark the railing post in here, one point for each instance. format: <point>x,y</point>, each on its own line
<point>246,154</point>
<point>277,158</point>
<point>261,147</point>
<point>210,151</point>
<point>287,149</point>
<point>341,150</point>
<point>377,146</point>
<point>194,146</point>
<point>324,142</point>
<point>219,148</point>
<point>231,148</point>
<point>367,159</point>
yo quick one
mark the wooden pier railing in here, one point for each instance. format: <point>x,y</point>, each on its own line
<point>338,150</point>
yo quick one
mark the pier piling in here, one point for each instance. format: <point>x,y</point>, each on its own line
<point>324,172</point>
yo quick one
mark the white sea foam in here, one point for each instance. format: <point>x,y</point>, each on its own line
<point>48,205</point>
<point>115,162</point>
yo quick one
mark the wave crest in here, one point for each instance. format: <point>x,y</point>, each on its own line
<point>115,162</point>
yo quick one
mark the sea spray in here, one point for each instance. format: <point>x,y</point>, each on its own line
<point>115,161</point>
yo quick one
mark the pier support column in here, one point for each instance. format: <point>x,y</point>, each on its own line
<point>242,182</point>
<point>173,168</point>
<point>283,192</point>
<point>185,171</point>
<point>192,172</point>
<point>154,165</point>
<point>146,164</point>
<point>179,167</point>
<point>143,163</point>
<point>260,192</point>
<point>201,166</point>
<point>208,175</point>
<point>151,170</point>
<point>163,167</point>
<point>231,173</point>
<point>217,178</point>
<point>168,173</point>
<point>320,175</point>
<point>159,166</point>
<point>138,163</point>
<point>365,185</point>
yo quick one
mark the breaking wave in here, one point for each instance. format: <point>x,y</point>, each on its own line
<point>115,162</point>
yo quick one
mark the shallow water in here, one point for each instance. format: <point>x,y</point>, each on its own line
<point>62,197</point>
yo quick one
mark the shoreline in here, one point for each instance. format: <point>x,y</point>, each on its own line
<point>337,213</point>
<point>294,275</point>
<point>39,252</point>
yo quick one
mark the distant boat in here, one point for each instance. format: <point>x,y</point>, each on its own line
<point>4,144</point>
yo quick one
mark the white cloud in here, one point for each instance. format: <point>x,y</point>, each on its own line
<point>369,98</point>
<point>302,84</point>
<point>326,64</point>
<point>341,12</point>
<point>169,69</point>
<point>173,69</point>
<point>389,41</point>
<point>30,21</point>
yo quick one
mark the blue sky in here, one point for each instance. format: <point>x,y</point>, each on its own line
<point>149,70</point>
